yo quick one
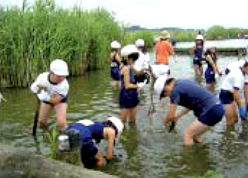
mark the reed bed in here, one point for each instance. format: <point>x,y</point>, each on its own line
<point>33,35</point>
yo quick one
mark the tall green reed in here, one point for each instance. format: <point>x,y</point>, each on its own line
<point>33,35</point>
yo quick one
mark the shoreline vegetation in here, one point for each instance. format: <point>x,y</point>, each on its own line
<point>33,35</point>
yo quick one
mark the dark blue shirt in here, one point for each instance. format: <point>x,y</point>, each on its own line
<point>191,95</point>
<point>96,130</point>
<point>86,138</point>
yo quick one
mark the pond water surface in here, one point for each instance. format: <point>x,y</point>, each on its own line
<point>146,150</point>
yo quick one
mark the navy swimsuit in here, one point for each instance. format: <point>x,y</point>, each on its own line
<point>198,56</point>
<point>115,72</point>
<point>209,73</point>
<point>128,97</point>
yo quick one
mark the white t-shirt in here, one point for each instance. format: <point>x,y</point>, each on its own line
<point>235,65</point>
<point>86,122</point>
<point>142,62</point>
<point>160,70</point>
<point>235,78</point>
<point>61,88</point>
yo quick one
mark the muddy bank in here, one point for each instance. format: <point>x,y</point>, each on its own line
<point>20,164</point>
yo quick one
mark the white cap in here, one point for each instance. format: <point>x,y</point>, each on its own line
<point>63,137</point>
<point>159,84</point>
<point>118,124</point>
<point>128,49</point>
<point>140,43</point>
<point>59,67</point>
<point>115,45</point>
<point>199,37</point>
<point>210,44</point>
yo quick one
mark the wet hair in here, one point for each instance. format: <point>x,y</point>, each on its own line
<point>124,61</point>
<point>245,64</point>
<point>143,49</point>
<point>209,52</point>
<point>114,50</point>
<point>133,56</point>
<point>169,80</point>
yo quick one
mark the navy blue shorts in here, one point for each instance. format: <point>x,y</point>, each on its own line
<point>197,62</point>
<point>115,74</point>
<point>64,100</point>
<point>209,76</point>
<point>129,98</point>
<point>226,97</point>
<point>213,115</point>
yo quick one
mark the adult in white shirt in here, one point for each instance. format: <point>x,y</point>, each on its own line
<point>144,57</point>
<point>234,65</point>
<point>52,90</point>
<point>142,63</point>
<point>230,94</point>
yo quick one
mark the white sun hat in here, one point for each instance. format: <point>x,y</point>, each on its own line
<point>115,45</point>
<point>128,49</point>
<point>59,67</point>
<point>210,44</point>
<point>199,37</point>
<point>164,34</point>
<point>139,43</point>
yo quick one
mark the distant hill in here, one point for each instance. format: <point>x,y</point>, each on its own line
<point>139,28</point>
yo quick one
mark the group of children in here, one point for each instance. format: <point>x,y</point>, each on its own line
<point>131,70</point>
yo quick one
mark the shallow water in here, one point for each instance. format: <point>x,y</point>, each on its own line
<point>146,150</point>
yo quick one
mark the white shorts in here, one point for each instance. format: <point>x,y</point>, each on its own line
<point>160,69</point>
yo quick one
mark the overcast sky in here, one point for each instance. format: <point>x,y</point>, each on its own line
<point>167,13</point>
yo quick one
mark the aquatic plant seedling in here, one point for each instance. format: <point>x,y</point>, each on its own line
<point>52,139</point>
